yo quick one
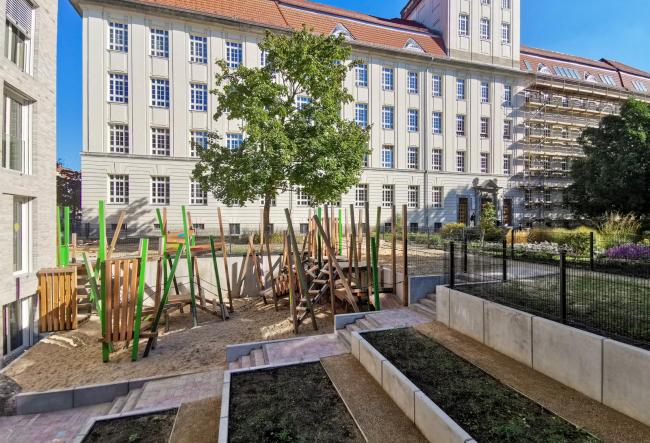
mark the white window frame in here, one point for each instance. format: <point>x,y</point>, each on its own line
<point>507,164</point>
<point>507,96</point>
<point>118,87</point>
<point>198,197</point>
<point>198,49</point>
<point>115,197</point>
<point>160,142</point>
<point>25,234</point>
<point>387,156</point>
<point>303,200</point>
<point>460,89</point>
<point>361,114</point>
<point>507,129</point>
<point>485,163</point>
<point>387,79</point>
<point>485,92</point>
<point>234,140</point>
<point>234,54</point>
<point>460,161</point>
<point>463,25</point>
<point>160,93</point>
<point>387,196</point>
<point>198,97</point>
<point>118,138</point>
<point>485,127</point>
<point>436,122</point>
<point>200,138</point>
<point>460,125</point>
<point>412,82</point>
<point>413,157</point>
<point>118,37</point>
<point>437,197</point>
<point>160,190</point>
<point>437,160</point>
<point>388,117</point>
<point>436,85</point>
<point>361,193</point>
<point>413,197</point>
<point>484,28</point>
<point>361,75</point>
<point>413,120</point>
<point>159,43</point>
<point>506,33</point>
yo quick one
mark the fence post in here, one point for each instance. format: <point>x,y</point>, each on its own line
<point>512,243</point>
<point>505,260</point>
<point>563,285</point>
<point>591,250</point>
<point>452,270</point>
<point>465,254</point>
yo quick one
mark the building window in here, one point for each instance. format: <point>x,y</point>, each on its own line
<point>413,157</point>
<point>159,43</point>
<point>361,72</point>
<point>485,127</point>
<point>15,143</point>
<point>484,29</point>
<point>197,195</point>
<point>485,163</point>
<point>199,97</point>
<point>388,79</point>
<point>507,129</point>
<point>460,125</point>
<point>234,140</point>
<point>505,33</point>
<point>436,160</point>
<point>118,37</point>
<point>361,114</point>
<point>21,230</point>
<point>507,159</point>
<point>387,156</point>
<point>118,88</point>
<point>507,96</point>
<point>198,49</point>
<point>413,122</point>
<point>264,55</point>
<point>302,198</point>
<point>485,92</point>
<point>198,140</point>
<point>436,122</point>
<point>413,200</point>
<point>463,25</point>
<point>118,189</point>
<point>639,86</point>
<point>607,79</point>
<point>436,197</point>
<point>412,85</point>
<point>159,93</point>
<point>361,195</point>
<point>119,139</point>
<point>387,196</point>
<point>436,85</point>
<point>160,142</point>
<point>159,190</point>
<point>505,4</point>
<point>302,101</point>
<point>460,89</point>
<point>234,229</point>
<point>234,54</point>
<point>366,160</point>
<point>387,117</point>
<point>460,161</point>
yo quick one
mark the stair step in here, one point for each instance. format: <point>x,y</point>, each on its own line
<point>234,365</point>
<point>423,310</point>
<point>117,406</point>
<point>352,327</point>
<point>245,361</point>
<point>373,322</point>
<point>431,297</point>
<point>257,357</point>
<point>314,291</point>
<point>364,324</point>
<point>132,400</point>
<point>429,304</point>
<point>345,335</point>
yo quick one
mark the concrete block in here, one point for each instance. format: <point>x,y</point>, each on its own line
<point>466,314</point>
<point>626,380</point>
<point>355,343</point>
<point>399,388</point>
<point>223,430</point>
<point>422,285</point>
<point>342,320</point>
<point>370,359</point>
<point>442,304</point>
<point>39,402</point>
<point>435,424</point>
<point>509,331</point>
<point>568,355</point>
<point>92,395</point>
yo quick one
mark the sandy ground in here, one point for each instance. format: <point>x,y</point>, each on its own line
<point>73,358</point>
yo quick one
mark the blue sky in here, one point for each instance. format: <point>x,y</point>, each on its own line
<point>590,28</point>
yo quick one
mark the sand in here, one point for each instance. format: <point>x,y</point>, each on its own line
<point>73,358</point>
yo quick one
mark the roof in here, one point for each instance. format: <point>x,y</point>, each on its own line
<point>626,68</point>
<point>366,29</point>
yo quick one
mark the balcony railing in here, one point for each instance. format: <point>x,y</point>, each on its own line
<point>13,153</point>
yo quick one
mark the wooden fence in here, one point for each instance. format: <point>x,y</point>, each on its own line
<point>57,298</point>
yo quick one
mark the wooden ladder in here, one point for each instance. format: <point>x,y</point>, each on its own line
<point>318,289</point>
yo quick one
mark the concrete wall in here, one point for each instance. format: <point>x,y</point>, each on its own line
<point>605,370</point>
<point>37,87</point>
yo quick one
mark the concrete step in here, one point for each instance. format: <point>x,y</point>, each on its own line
<point>257,357</point>
<point>132,400</point>
<point>234,365</point>
<point>352,327</point>
<point>432,296</point>
<point>364,324</point>
<point>374,321</point>
<point>245,361</point>
<point>118,404</point>
<point>429,304</point>
<point>345,336</point>
<point>423,310</point>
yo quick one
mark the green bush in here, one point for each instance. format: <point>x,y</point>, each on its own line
<point>576,240</point>
<point>618,229</point>
<point>452,231</point>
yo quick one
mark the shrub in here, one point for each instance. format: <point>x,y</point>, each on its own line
<point>452,230</point>
<point>629,252</point>
<point>618,229</point>
<point>576,241</point>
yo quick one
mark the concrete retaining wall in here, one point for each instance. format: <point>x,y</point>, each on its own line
<point>605,370</point>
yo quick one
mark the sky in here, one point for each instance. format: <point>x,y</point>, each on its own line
<point>588,28</point>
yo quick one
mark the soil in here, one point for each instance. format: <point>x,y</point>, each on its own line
<point>8,388</point>
<point>289,404</point>
<point>73,358</point>
<point>151,428</point>
<point>488,410</point>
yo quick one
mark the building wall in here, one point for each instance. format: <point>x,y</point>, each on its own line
<point>97,162</point>
<point>38,184</point>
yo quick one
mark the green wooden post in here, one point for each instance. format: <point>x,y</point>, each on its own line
<point>92,279</point>
<point>65,247</point>
<point>190,268</point>
<point>101,259</point>
<point>340,231</point>
<point>144,246</point>
<point>216,269</point>
<point>378,228</point>
<point>58,237</point>
<point>375,274</point>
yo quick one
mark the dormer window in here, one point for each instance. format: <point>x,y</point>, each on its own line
<point>543,69</point>
<point>590,78</point>
<point>339,29</point>
<point>412,45</point>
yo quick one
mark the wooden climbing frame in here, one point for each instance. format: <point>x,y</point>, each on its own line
<point>57,299</point>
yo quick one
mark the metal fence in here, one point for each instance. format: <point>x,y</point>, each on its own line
<point>589,287</point>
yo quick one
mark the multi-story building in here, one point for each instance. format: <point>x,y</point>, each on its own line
<point>446,88</point>
<point>28,169</point>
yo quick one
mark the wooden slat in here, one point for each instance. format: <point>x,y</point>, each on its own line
<point>108,311</point>
<point>65,292</point>
<point>54,311</point>
<point>197,277</point>
<point>42,302</point>
<point>62,290</point>
<point>123,299</point>
<point>133,294</point>
<point>74,324</point>
<point>116,300</point>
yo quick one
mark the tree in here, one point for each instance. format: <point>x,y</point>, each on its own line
<point>488,222</point>
<point>290,113</point>
<point>614,175</point>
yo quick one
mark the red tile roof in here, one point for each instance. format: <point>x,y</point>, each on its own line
<point>626,68</point>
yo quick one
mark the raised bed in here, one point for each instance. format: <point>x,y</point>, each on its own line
<point>481,405</point>
<point>148,428</point>
<point>289,404</point>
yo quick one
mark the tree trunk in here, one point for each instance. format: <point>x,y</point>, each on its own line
<point>267,214</point>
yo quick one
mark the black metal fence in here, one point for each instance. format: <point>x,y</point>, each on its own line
<point>590,288</point>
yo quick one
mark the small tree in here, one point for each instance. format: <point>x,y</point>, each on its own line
<point>290,113</point>
<point>488,222</point>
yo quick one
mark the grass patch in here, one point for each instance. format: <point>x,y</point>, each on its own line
<point>480,404</point>
<point>288,404</point>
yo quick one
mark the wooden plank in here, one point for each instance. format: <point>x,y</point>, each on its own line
<point>330,266</point>
<point>74,324</point>
<point>42,302</point>
<point>393,256</point>
<point>405,257</point>
<point>66,303</point>
<point>225,261</point>
<point>116,234</point>
<point>133,294</point>
<point>54,307</point>
<point>292,293</point>
<point>108,302</point>
<point>62,290</point>
<point>116,300</point>
<point>198,281</point>
<point>124,265</point>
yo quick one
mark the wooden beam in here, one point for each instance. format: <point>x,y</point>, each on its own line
<point>393,225</point>
<point>225,261</point>
<point>405,258</point>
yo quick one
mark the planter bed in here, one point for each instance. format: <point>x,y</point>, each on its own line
<point>485,408</point>
<point>290,404</point>
<point>147,428</point>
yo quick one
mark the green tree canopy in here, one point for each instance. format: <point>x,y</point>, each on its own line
<point>615,173</point>
<point>290,112</point>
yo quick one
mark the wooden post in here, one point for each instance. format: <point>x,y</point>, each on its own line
<point>58,237</point>
<point>368,264</point>
<point>144,245</point>
<point>393,225</point>
<point>268,256</point>
<point>375,274</point>
<point>330,265</point>
<point>101,268</point>
<point>292,292</point>
<point>354,259</point>
<point>225,261</point>
<point>216,273</point>
<point>405,257</point>
<point>190,267</point>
